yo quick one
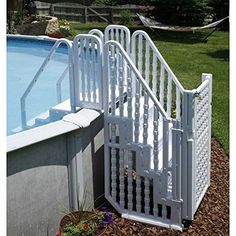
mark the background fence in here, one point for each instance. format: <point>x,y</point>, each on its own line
<point>80,13</point>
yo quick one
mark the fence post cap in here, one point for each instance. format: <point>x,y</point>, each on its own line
<point>206,76</point>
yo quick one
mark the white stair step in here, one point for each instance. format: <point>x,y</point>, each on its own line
<point>31,123</point>
<point>60,110</point>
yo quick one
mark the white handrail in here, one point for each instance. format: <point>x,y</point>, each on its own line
<point>137,74</point>
<point>58,85</point>
<point>97,32</point>
<point>157,53</point>
<point>41,69</point>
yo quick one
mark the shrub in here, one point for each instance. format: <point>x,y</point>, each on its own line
<point>64,27</point>
<point>126,17</point>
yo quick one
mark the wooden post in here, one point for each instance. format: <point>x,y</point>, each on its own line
<point>51,10</point>
<point>85,15</point>
<point>111,15</point>
<point>97,14</point>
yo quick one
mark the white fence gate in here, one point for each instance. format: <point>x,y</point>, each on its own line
<point>87,52</point>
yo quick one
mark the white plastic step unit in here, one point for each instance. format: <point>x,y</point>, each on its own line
<point>41,119</point>
<point>53,114</point>
<point>60,110</point>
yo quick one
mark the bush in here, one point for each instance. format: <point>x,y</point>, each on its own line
<point>64,27</point>
<point>181,12</point>
<point>126,17</point>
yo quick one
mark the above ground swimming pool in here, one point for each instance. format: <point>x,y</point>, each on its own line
<point>24,57</point>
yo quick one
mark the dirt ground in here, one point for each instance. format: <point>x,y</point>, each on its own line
<point>212,217</point>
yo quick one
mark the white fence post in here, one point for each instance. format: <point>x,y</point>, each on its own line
<point>188,162</point>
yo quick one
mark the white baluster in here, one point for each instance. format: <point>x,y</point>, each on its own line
<point>162,84</point>
<point>147,62</point>
<point>94,70</point>
<point>113,168</point>
<point>121,86</point>
<point>145,119</point>
<point>122,38</point>
<point>140,53</point>
<point>155,138</point>
<point>129,93</point>
<point>88,64</point>
<point>117,35</point>
<point>130,181</point>
<point>138,194</point>
<point>82,43</point>
<point>178,101</point>
<point>154,75</point>
<point>137,111</point>
<point>147,195</point>
<point>169,95</point>
<point>112,34</point>
<point>113,81</point>
<point>121,178</point>
<point>78,68</point>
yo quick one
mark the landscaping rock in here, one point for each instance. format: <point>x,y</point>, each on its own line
<point>48,25</point>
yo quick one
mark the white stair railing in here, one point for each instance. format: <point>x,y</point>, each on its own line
<point>135,71</point>
<point>157,73</point>
<point>139,122</point>
<point>39,72</point>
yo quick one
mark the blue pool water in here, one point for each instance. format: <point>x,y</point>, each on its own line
<point>24,57</point>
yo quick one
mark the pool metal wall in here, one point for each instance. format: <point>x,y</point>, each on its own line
<point>46,179</point>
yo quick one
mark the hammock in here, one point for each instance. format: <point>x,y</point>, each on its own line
<point>158,25</point>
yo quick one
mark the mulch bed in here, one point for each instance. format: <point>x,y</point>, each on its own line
<point>211,218</point>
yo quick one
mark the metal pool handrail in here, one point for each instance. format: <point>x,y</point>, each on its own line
<point>58,85</point>
<point>41,69</point>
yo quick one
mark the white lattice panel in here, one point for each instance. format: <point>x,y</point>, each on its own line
<point>202,143</point>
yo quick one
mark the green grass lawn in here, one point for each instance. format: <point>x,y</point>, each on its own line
<point>188,57</point>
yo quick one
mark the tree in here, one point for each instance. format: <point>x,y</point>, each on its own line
<point>220,9</point>
<point>181,12</point>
